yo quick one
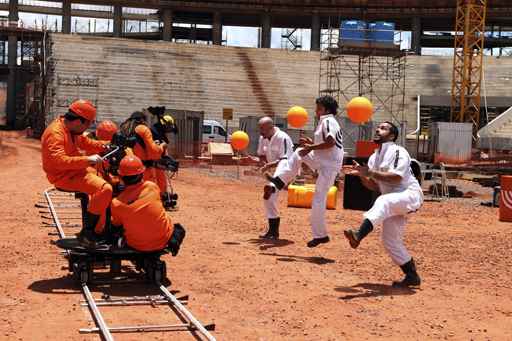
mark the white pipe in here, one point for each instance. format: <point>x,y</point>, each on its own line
<point>110,153</point>
<point>418,118</point>
<point>96,313</point>
<point>176,303</point>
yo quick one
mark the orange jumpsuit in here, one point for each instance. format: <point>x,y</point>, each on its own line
<point>140,211</point>
<point>151,151</point>
<point>68,169</point>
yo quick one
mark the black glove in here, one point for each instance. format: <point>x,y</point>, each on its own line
<point>168,163</point>
<point>176,239</point>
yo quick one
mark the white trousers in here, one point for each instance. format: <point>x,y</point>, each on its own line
<point>390,210</point>
<point>326,177</point>
<point>271,204</point>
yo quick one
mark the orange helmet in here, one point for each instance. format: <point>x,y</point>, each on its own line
<point>84,109</point>
<point>131,165</point>
<point>105,130</point>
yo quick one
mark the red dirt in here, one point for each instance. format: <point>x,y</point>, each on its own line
<point>256,291</point>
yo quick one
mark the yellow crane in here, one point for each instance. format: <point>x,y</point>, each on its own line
<point>468,62</point>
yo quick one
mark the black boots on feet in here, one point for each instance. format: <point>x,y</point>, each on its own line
<point>317,241</point>
<point>273,229</point>
<point>412,279</point>
<point>354,237</point>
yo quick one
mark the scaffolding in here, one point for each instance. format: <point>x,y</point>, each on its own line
<point>468,62</point>
<point>291,39</point>
<point>22,68</point>
<point>363,68</point>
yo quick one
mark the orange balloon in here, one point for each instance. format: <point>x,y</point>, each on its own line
<point>359,110</point>
<point>239,140</point>
<point>297,117</point>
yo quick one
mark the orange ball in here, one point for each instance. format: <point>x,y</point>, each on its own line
<point>239,140</point>
<point>297,117</point>
<point>359,110</point>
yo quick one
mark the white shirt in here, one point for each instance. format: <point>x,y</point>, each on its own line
<point>262,146</point>
<point>279,147</point>
<point>332,157</point>
<point>394,159</point>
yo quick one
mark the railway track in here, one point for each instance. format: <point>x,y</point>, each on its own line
<point>62,211</point>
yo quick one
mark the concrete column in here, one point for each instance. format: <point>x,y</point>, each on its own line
<point>11,80</point>
<point>167,18</point>
<point>66,16</point>
<point>118,21</point>
<point>266,31</point>
<point>315,32</point>
<point>12,61</point>
<point>13,10</point>
<point>193,33</point>
<point>217,28</point>
<point>416,35</point>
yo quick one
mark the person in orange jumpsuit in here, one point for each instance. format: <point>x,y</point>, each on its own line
<point>160,130</point>
<point>139,210</point>
<point>105,130</point>
<point>145,147</point>
<point>67,168</point>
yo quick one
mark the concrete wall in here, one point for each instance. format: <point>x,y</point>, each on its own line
<point>126,75</point>
<point>122,76</point>
<point>432,76</point>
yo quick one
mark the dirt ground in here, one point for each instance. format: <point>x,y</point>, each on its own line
<point>262,291</point>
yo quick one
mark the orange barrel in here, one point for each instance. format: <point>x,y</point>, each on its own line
<point>506,198</point>
<point>302,196</point>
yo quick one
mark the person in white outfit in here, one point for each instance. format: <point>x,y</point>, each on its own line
<point>325,155</point>
<point>275,147</point>
<point>389,172</point>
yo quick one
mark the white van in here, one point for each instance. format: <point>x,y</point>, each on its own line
<point>213,131</point>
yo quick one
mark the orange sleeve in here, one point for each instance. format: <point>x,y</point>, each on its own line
<point>56,156</point>
<point>153,187</point>
<point>153,150</point>
<point>117,218</point>
<point>89,145</point>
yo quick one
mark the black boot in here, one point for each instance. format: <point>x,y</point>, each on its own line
<point>275,180</point>
<point>317,241</point>
<point>355,237</point>
<point>87,237</point>
<point>273,229</point>
<point>412,279</point>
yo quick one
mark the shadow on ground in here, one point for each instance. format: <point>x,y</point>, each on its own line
<point>304,259</point>
<point>126,284</point>
<point>366,290</point>
<point>266,244</point>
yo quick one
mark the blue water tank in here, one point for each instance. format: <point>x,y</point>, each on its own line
<point>353,31</point>
<point>381,32</point>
